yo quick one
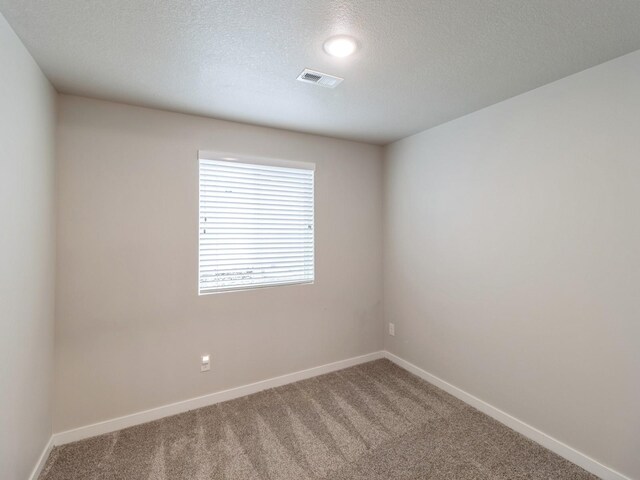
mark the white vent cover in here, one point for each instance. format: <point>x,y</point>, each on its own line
<point>319,78</point>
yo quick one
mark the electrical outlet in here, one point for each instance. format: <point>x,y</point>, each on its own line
<point>392,329</point>
<point>205,363</point>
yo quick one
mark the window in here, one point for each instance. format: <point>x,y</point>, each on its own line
<point>256,223</point>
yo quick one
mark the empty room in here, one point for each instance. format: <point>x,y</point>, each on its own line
<point>319,239</point>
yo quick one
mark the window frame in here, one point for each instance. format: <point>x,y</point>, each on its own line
<point>264,161</point>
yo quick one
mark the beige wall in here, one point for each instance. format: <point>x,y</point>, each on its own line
<point>27,236</point>
<point>512,267</point>
<point>130,325</point>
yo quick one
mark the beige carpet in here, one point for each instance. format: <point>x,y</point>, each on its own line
<point>374,422</point>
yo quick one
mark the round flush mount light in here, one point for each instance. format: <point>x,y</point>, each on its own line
<point>340,46</point>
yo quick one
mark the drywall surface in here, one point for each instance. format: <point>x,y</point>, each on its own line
<point>419,62</point>
<point>512,257</point>
<point>27,242</point>
<point>130,324</point>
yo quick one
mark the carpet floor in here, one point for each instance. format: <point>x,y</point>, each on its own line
<point>370,422</point>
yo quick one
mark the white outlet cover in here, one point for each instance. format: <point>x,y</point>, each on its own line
<point>392,329</point>
<point>205,364</point>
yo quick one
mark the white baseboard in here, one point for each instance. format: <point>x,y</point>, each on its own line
<point>42,460</point>
<point>145,416</point>
<point>179,407</point>
<point>556,446</point>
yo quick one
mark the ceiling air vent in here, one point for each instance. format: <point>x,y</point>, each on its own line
<point>319,78</point>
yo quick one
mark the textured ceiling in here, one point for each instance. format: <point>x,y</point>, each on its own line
<point>421,62</point>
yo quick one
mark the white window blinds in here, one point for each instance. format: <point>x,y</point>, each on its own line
<point>256,225</point>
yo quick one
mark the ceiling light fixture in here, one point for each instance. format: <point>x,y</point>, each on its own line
<point>340,46</point>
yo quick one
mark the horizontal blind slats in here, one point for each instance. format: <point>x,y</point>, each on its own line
<point>239,285</point>
<point>255,216</point>
<point>231,251</point>
<point>206,232</point>
<point>252,220</point>
<point>237,276</point>
<point>256,225</point>
<point>251,236</point>
<point>217,201</point>
<point>210,251</point>
<point>248,180</point>
<point>229,196</point>
<point>249,262</point>
<point>211,228</point>
<point>243,244</point>
<point>259,280</point>
<point>255,210</point>
<point>253,268</point>
<point>253,180</point>
<point>221,165</point>
<point>255,177</point>
<point>225,256</point>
